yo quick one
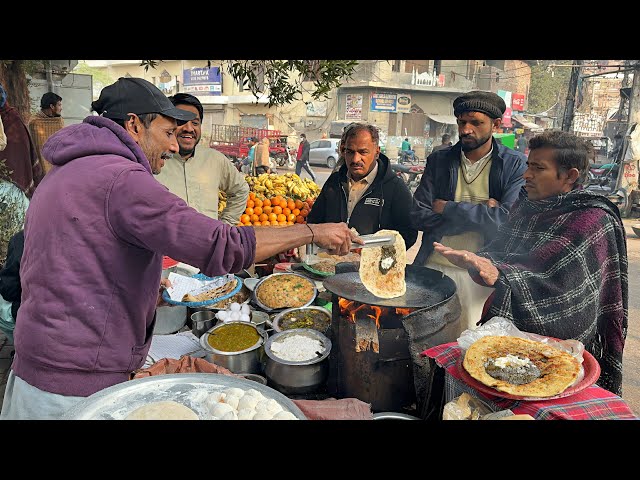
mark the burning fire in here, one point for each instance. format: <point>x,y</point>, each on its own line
<point>350,308</point>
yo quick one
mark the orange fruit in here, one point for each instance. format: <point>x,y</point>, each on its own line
<point>299,219</point>
<point>257,210</point>
<point>250,203</point>
<point>249,210</point>
<point>296,211</point>
<point>291,204</point>
<point>291,218</point>
<point>304,212</point>
<point>298,205</point>
<point>282,223</point>
<point>267,209</point>
<point>286,211</point>
<point>266,203</point>
<point>257,202</point>
<point>266,223</point>
<point>284,202</point>
<point>244,218</point>
<point>257,224</point>
<point>282,218</point>
<point>252,195</point>
<point>273,217</point>
<point>263,217</point>
<point>254,218</point>
<point>277,209</point>
<point>276,200</point>
<point>290,223</point>
<point>274,222</point>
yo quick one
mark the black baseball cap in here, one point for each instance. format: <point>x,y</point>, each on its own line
<point>139,96</point>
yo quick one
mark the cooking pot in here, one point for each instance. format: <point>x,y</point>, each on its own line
<point>249,360</point>
<point>278,318</point>
<point>301,377</point>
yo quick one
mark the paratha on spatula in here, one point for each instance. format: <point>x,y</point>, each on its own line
<point>382,268</point>
<point>519,366</point>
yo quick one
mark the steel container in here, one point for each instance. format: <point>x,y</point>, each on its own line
<point>249,360</point>
<point>302,377</point>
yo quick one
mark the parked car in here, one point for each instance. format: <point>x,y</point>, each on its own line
<point>324,152</point>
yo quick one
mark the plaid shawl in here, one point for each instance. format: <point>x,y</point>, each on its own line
<point>563,273</point>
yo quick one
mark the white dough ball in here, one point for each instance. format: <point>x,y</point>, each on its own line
<point>254,392</point>
<point>245,308</point>
<point>248,402</point>
<point>234,307</point>
<point>263,415</point>
<point>220,409</point>
<point>213,399</point>
<point>246,413</point>
<point>232,400</point>
<point>284,415</point>
<point>232,415</point>
<point>238,392</point>
<point>244,317</point>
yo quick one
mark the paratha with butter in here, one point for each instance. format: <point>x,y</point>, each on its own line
<point>382,268</point>
<point>521,367</point>
<point>211,294</point>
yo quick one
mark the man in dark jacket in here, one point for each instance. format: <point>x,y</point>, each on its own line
<point>466,192</point>
<point>10,289</point>
<point>365,192</point>
<point>302,159</point>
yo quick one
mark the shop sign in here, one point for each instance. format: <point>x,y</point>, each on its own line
<point>383,102</point>
<point>202,80</point>
<point>353,108</point>
<point>403,103</point>
<point>517,102</point>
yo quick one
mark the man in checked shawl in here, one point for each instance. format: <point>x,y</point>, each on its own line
<point>559,264</point>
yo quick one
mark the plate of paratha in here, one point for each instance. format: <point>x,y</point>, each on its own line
<point>523,369</point>
<point>209,296</point>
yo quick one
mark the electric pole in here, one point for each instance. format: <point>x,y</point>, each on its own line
<point>571,95</point>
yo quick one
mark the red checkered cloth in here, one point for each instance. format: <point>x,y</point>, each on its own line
<point>592,403</point>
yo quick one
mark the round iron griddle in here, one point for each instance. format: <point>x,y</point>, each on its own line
<point>426,287</point>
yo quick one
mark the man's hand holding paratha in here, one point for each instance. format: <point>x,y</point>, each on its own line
<point>336,238</point>
<point>164,284</point>
<point>465,259</point>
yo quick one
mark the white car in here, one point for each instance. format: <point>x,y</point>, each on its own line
<point>324,152</point>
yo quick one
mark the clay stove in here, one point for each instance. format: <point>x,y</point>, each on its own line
<point>376,350</point>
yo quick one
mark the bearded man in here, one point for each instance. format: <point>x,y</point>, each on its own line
<point>45,123</point>
<point>465,193</point>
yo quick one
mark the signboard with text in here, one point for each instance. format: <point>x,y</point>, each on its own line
<point>202,80</point>
<point>353,108</point>
<point>517,102</point>
<point>403,103</point>
<point>383,102</point>
<point>506,117</point>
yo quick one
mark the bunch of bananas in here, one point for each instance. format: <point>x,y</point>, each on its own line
<point>287,185</point>
<point>222,200</point>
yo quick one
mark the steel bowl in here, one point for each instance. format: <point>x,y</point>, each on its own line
<point>264,307</point>
<point>249,360</point>
<point>636,229</point>
<point>302,377</point>
<point>278,318</point>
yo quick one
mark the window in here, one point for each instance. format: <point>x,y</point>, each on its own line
<point>315,144</point>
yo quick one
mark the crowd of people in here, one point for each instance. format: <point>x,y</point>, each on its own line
<point>92,220</point>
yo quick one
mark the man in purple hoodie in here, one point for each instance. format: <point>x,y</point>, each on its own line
<point>95,234</point>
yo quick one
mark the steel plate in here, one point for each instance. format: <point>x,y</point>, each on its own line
<point>190,389</point>
<point>426,287</point>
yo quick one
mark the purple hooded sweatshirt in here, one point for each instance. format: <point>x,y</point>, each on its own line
<point>95,233</point>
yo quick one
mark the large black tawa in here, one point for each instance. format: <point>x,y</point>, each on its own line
<point>426,287</point>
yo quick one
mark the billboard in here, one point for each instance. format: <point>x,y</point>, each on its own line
<point>202,80</point>
<point>383,102</point>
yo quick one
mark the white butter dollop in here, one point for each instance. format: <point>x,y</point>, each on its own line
<point>386,262</point>
<point>511,361</point>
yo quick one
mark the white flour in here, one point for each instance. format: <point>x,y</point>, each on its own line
<point>297,348</point>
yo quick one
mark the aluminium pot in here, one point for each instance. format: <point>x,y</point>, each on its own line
<point>249,360</point>
<point>290,377</point>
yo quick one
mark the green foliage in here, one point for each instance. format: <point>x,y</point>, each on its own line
<point>100,75</point>
<point>283,80</point>
<point>548,85</point>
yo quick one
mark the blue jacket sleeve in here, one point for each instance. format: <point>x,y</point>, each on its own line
<point>422,215</point>
<point>402,216</point>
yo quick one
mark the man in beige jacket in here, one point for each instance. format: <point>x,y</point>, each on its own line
<point>196,177</point>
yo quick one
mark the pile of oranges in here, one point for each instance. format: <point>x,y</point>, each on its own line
<point>276,210</point>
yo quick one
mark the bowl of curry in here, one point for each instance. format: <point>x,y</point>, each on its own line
<point>236,345</point>
<point>284,290</point>
<point>316,318</point>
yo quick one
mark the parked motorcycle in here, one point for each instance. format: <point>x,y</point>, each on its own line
<point>410,175</point>
<point>409,157</point>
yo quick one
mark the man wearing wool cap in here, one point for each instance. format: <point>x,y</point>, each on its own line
<point>465,193</point>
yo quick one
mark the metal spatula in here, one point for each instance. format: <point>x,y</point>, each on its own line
<point>374,240</point>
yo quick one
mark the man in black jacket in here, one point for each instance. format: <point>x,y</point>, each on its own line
<point>365,192</point>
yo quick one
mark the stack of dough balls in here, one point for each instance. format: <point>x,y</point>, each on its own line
<point>238,404</point>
